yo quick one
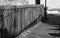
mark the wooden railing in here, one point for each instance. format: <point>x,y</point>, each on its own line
<point>16,18</point>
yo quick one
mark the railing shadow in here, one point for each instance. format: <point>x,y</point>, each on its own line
<point>53,20</point>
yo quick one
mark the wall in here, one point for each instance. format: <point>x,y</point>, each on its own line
<point>17,19</point>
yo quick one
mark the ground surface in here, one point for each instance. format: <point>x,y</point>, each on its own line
<point>42,31</point>
<point>52,25</point>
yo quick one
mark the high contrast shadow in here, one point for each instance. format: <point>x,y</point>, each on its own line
<point>53,20</point>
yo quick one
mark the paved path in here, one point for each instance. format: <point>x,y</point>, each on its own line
<point>41,31</point>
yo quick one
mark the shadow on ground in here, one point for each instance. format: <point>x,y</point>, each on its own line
<point>53,20</point>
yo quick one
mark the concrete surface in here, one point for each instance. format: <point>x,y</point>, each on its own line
<point>42,31</point>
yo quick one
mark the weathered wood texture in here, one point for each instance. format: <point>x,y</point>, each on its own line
<point>17,18</point>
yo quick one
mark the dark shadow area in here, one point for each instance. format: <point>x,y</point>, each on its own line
<point>53,19</point>
<point>54,34</point>
<point>4,34</point>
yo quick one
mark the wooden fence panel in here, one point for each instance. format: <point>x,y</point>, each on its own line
<point>17,19</point>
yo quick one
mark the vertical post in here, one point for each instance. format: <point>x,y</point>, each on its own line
<point>1,29</point>
<point>37,1</point>
<point>45,13</point>
<point>2,21</point>
<point>21,18</point>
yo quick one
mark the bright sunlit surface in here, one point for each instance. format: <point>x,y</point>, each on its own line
<point>31,1</point>
<point>52,3</point>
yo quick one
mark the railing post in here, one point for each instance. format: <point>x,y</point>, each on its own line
<point>21,18</point>
<point>45,9</point>
<point>37,1</point>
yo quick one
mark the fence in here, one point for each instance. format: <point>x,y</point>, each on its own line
<point>16,18</point>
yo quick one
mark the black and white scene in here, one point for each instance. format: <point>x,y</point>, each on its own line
<point>29,18</point>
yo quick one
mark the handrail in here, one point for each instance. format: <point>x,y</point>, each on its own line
<point>11,7</point>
